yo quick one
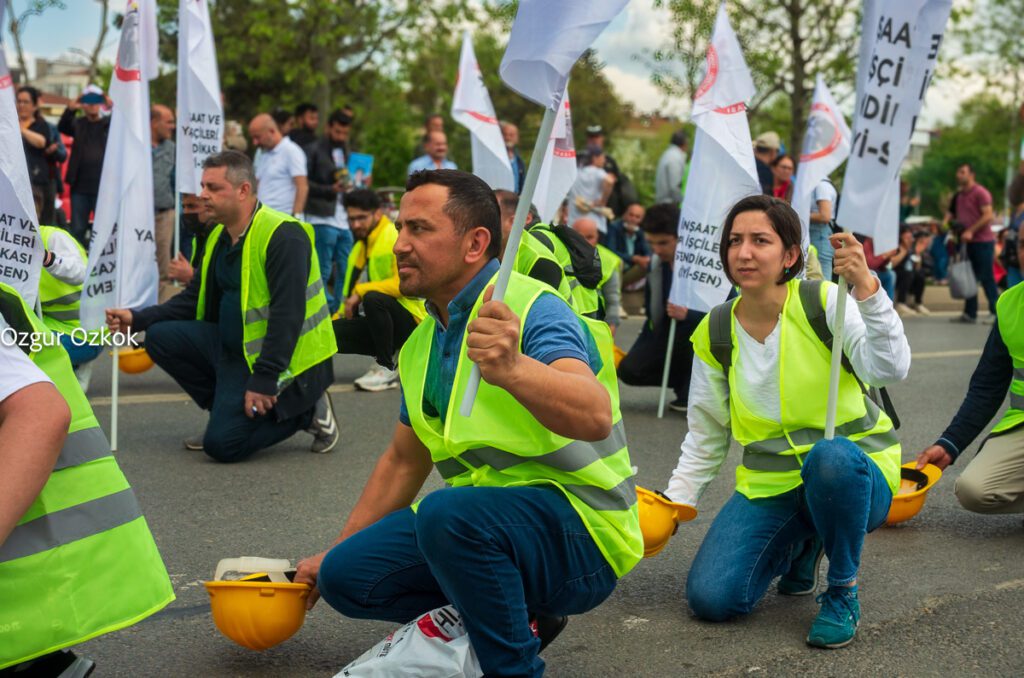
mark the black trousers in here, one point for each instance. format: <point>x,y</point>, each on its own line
<point>645,362</point>
<point>191,352</point>
<point>909,283</point>
<point>380,332</point>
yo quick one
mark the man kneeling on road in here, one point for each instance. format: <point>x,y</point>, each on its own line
<point>540,520</point>
<point>250,338</point>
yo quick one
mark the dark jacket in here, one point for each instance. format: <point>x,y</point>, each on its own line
<point>615,240</point>
<point>86,162</point>
<point>303,137</point>
<point>289,257</point>
<point>765,176</point>
<point>320,170</point>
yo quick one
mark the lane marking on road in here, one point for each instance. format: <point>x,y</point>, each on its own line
<point>155,398</point>
<point>928,355</point>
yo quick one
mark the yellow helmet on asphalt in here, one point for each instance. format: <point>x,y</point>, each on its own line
<point>659,519</point>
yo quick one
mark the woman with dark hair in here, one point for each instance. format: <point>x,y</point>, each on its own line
<point>761,377</point>
<point>35,135</point>
<point>782,177</point>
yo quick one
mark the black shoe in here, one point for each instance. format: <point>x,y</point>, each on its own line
<point>548,628</point>
<point>61,664</point>
<point>677,405</point>
<point>965,319</point>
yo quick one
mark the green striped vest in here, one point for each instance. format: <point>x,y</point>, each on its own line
<point>584,299</point>
<point>81,561</point>
<point>531,250</point>
<point>1010,316</point>
<point>503,445</point>
<point>610,262</point>
<point>316,339</point>
<point>59,301</point>
<point>773,451</point>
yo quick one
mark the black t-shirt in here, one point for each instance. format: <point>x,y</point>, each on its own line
<point>38,167</point>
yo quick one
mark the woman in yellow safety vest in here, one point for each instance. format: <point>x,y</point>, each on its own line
<point>761,377</point>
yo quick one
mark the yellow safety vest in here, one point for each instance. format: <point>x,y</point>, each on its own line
<point>1010,316</point>
<point>59,301</point>
<point>376,255</point>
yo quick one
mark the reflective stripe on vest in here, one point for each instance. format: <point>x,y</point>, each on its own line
<point>70,524</point>
<point>308,325</point>
<point>63,301</point>
<point>255,315</point>
<point>81,447</point>
<point>60,315</point>
<point>1016,401</point>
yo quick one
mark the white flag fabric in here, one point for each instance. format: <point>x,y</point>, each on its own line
<point>893,75</point>
<point>200,114</point>
<point>722,171</point>
<point>122,253</point>
<point>21,248</point>
<point>826,146</point>
<point>547,38</point>
<point>472,108</point>
<point>558,170</point>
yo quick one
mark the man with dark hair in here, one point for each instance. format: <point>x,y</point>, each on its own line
<point>645,362</point>
<point>541,518</point>
<point>972,218</point>
<point>376,319</point>
<point>307,118</point>
<point>627,240</point>
<point>86,163</point>
<point>327,159</point>
<point>533,258</point>
<point>256,353</point>
<point>668,178</point>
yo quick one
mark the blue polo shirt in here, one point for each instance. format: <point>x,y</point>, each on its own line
<point>552,331</point>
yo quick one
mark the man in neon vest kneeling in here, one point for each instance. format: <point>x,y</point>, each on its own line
<point>540,519</point>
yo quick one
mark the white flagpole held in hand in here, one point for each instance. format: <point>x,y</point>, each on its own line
<point>668,366</point>
<point>512,246</point>
<point>837,360</point>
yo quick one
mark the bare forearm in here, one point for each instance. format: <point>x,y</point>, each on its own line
<point>301,192</point>
<point>986,217</point>
<point>34,138</point>
<point>33,425</point>
<point>572,403</point>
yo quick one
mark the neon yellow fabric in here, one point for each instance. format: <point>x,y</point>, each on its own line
<point>530,252</point>
<point>60,302</point>
<point>376,255</point>
<point>1010,316</point>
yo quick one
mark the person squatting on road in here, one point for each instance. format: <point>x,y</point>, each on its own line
<point>797,496</point>
<point>250,338</point>
<point>540,520</point>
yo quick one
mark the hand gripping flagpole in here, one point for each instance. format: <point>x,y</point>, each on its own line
<point>515,236</point>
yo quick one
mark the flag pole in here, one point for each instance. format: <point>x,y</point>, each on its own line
<point>512,246</point>
<point>837,354</point>
<point>115,375</point>
<point>177,221</point>
<point>668,366</point>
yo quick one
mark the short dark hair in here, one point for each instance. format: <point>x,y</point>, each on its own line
<point>969,166</point>
<point>304,108</point>
<point>661,219</point>
<point>784,221</point>
<point>32,92</point>
<point>780,158</point>
<point>280,116</point>
<point>471,202</point>
<point>679,138</point>
<point>362,199</point>
<point>339,117</point>
<point>508,201</point>
<point>237,165</point>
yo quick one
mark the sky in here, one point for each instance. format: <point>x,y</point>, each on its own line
<point>639,25</point>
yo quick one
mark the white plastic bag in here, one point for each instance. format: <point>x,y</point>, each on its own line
<point>433,646</point>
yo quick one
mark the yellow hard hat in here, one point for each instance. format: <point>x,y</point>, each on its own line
<point>914,485</point>
<point>134,360</point>
<point>659,518</point>
<point>257,614</point>
<point>619,355</point>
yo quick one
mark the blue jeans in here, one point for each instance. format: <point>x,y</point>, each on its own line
<point>82,205</point>
<point>982,255</point>
<point>332,248</point>
<point>940,257</point>
<point>819,234</point>
<point>752,541</point>
<point>1013,276</point>
<point>79,353</point>
<point>888,280</point>
<point>497,554</point>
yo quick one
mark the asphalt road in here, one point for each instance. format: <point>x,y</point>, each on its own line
<point>941,595</point>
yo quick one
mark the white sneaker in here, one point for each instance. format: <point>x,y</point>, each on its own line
<point>378,379</point>
<point>904,310</point>
<point>922,309</point>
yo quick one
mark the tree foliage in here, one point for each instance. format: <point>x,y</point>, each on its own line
<point>785,43</point>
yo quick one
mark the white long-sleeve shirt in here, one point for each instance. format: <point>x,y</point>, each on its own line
<point>873,339</point>
<point>67,265</point>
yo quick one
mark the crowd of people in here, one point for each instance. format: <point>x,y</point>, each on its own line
<point>286,262</point>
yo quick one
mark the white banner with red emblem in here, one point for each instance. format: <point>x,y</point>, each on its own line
<point>722,171</point>
<point>558,172</point>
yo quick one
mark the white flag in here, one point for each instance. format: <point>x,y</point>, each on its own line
<point>122,254</point>
<point>722,171</point>
<point>547,38</point>
<point>893,75</point>
<point>558,171</point>
<point>200,114</point>
<point>472,108</point>
<point>826,146</point>
<point>21,248</point>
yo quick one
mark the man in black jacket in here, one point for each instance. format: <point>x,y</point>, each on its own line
<point>249,409</point>
<point>86,163</point>
<point>325,169</point>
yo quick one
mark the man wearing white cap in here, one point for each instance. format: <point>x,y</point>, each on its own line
<point>86,163</point>
<point>766,149</point>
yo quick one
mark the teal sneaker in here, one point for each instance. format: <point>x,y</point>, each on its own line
<point>836,623</point>
<point>802,578</point>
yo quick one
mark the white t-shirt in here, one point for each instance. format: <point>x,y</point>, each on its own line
<point>16,369</point>
<point>824,191</point>
<point>589,186</point>
<point>276,170</point>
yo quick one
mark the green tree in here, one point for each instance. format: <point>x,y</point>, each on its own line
<point>978,135</point>
<point>785,43</point>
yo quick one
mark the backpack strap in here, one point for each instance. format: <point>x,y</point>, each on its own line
<point>720,334</point>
